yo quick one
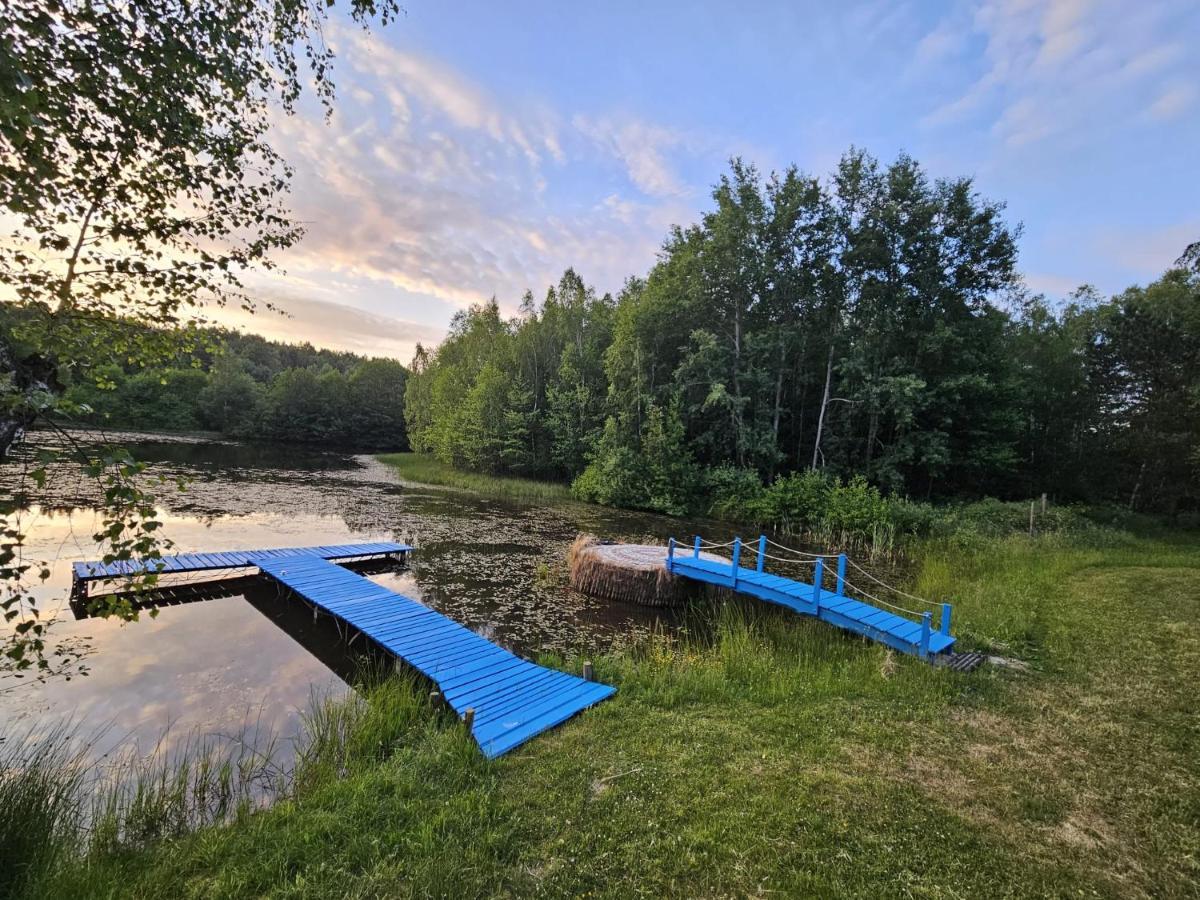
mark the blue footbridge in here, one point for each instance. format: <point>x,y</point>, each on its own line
<point>907,627</point>
<point>504,700</point>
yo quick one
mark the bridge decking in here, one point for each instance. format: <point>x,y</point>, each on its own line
<point>512,698</point>
<point>83,572</point>
<point>858,616</point>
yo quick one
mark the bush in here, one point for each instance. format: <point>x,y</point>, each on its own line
<point>735,494</point>
<point>800,501</point>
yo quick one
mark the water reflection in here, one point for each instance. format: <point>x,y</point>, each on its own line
<point>255,656</point>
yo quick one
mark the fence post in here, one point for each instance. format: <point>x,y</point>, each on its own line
<point>841,576</point>
<point>670,552</point>
<point>926,617</point>
<point>818,577</point>
<point>945,624</point>
<point>696,551</point>
<point>762,549</point>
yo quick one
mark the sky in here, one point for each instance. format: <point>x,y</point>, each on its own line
<point>479,149</point>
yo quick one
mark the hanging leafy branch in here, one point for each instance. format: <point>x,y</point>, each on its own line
<point>138,184</point>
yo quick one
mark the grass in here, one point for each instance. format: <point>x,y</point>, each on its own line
<point>421,468</point>
<point>760,753</point>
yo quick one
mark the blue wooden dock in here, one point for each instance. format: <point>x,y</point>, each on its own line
<point>909,631</point>
<point>511,698</point>
<point>85,573</point>
<point>504,699</point>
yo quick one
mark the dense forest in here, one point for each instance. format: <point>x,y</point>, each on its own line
<point>871,328</point>
<point>245,386</point>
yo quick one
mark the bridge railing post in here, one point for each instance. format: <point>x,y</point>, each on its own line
<point>945,623</point>
<point>737,555</point>
<point>762,551</point>
<point>926,618</point>
<point>841,575</point>
<point>670,552</point>
<point>696,547</point>
<point>818,577</point>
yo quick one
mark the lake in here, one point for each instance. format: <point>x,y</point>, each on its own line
<point>248,663</point>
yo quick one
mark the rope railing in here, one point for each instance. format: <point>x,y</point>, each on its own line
<point>894,590</point>
<point>803,557</point>
<point>874,599</point>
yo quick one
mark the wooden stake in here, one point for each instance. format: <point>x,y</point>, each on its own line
<point>469,718</point>
<point>1031,508</point>
<point>588,674</point>
<point>1043,503</point>
<point>435,699</point>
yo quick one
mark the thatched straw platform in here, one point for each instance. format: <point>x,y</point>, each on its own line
<point>631,573</point>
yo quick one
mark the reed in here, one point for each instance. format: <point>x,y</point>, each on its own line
<point>629,573</point>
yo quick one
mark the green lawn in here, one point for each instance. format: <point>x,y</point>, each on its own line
<point>421,468</point>
<point>771,755</point>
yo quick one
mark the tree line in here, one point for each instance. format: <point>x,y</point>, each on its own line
<point>245,386</point>
<point>872,324</point>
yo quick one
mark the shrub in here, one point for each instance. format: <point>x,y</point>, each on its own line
<point>735,494</point>
<point>800,501</point>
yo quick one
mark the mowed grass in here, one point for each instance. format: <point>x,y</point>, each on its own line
<point>765,754</point>
<point>421,468</point>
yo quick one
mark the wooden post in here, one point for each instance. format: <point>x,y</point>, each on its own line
<point>469,718</point>
<point>841,575</point>
<point>588,674</point>
<point>670,552</point>
<point>696,552</point>
<point>926,617</point>
<point>737,555</point>
<point>1043,503</point>
<point>762,551</point>
<point>1031,508</point>
<point>435,699</point>
<point>945,623</point>
<point>818,577</point>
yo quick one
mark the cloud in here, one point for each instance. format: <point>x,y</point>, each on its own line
<point>1173,102</point>
<point>1147,252</point>
<point>424,184</point>
<point>329,324</point>
<point>643,149</point>
<point>1065,68</point>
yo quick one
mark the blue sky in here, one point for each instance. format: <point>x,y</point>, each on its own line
<point>478,149</point>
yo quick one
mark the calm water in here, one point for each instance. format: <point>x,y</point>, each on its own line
<point>253,660</point>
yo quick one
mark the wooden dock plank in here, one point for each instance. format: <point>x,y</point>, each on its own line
<point>197,562</point>
<point>513,699</point>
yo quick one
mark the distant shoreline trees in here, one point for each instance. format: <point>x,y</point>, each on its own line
<point>250,388</point>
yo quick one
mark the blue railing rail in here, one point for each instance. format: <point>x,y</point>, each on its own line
<point>760,550</point>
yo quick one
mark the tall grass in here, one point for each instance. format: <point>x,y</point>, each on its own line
<point>422,468</point>
<point>41,805</point>
<point>59,807</point>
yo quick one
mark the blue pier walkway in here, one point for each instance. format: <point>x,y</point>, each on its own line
<point>85,573</point>
<point>909,631</point>
<point>512,699</point>
<point>504,699</point>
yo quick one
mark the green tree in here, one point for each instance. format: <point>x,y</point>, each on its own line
<point>231,401</point>
<point>138,183</point>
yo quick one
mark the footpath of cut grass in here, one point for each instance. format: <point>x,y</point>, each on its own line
<point>421,468</point>
<point>770,754</point>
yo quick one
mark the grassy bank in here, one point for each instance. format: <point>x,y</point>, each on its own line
<point>762,753</point>
<point>422,468</point>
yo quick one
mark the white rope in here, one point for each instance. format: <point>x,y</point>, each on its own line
<point>791,562</point>
<point>802,552</point>
<point>874,599</point>
<point>889,587</point>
